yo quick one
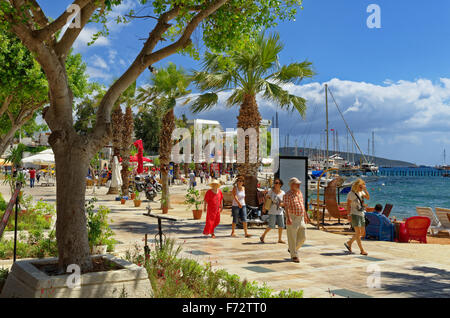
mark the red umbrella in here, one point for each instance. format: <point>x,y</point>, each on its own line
<point>140,155</point>
<point>136,159</point>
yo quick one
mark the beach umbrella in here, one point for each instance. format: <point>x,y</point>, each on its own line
<point>116,178</point>
<point>42,159</point>
<point>140,155</point>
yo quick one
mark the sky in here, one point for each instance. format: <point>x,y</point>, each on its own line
<point>393,81</point>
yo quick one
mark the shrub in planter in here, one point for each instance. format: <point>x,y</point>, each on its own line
<point>3,276</point>
<point>99,231</point>
<point>193,200</point>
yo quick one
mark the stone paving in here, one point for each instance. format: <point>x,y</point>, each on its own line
<point>325,268</point>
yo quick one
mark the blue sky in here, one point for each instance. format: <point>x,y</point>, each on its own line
<point>394,80</point>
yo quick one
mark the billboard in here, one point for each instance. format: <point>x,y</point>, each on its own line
<point>293,166</point>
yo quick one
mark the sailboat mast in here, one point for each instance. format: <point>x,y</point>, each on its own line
<point>326,107</point>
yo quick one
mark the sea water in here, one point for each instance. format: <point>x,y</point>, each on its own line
<point>406,193</point>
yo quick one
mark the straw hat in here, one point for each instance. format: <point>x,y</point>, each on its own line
<point>215,182</point>
<point>294,180</point>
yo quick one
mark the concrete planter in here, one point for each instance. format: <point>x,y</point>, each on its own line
<point>27,281</point>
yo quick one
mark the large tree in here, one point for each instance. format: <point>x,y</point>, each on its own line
<point>246,73</point>
<point>224,24</point>
<point>24,88</point>
<point>167,86</point>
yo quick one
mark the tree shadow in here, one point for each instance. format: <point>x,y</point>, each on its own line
<point>418,285</point>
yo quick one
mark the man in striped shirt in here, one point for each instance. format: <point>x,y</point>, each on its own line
<point>296,218</point>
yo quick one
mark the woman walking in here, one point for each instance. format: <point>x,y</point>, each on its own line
<point>356,206</point>
<point>238,208</point>
<point>276,211</point>
<point>213,205</point>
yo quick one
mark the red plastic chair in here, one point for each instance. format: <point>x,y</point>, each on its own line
<point>417,228</point>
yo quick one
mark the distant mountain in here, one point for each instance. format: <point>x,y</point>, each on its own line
<point>380,162</point>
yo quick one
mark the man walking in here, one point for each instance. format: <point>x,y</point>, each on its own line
<point>32,177</point>
<point>296,218</point>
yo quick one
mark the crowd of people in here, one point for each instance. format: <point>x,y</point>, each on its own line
<point>285,211</point>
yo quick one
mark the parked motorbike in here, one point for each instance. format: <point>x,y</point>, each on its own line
<point>144,184</point>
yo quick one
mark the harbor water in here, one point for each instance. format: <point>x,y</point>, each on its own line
<point>405,193</point>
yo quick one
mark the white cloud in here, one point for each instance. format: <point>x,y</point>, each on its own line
<point>85,37</point>
<point>97,73</point>
<point>404,115</point>
<point>98,61</point>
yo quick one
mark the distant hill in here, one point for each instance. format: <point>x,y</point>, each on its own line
<point>380,162</point>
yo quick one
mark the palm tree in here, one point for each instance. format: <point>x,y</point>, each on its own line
<point>167,85</point>
<point>252,71</point>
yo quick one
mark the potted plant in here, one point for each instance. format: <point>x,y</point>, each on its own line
<point>123,199</point>
<point>99,232</point>
<point>137,201</point>
<point>193,200</point>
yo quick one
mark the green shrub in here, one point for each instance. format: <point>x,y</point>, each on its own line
<point>3,204</point>
<point>175,277</point>
<point>99,231</point>
<point>3,276</point>
<point>35,216</point>
<point>35,246</point>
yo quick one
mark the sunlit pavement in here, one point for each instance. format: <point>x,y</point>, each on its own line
<point>325,268</point>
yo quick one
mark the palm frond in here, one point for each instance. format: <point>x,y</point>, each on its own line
<point>285,100</point>
<point>204,102</point>
<point>294,72</point>
<point>236,98</point>
<point>212,81</point>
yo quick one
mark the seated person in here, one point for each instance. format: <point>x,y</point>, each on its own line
<point>378,208</point>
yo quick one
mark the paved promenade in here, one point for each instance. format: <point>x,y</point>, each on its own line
<point>325,268</point>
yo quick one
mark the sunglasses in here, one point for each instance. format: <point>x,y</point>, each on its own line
<point>277,182</point>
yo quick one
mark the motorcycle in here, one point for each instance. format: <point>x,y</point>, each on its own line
<point>144,184</point>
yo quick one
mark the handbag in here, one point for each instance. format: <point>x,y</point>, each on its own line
<point>267,203</point>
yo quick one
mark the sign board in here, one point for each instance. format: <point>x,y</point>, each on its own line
<point>293,166</point>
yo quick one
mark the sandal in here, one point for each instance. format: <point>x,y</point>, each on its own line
<point>281,242</point>
<point>295,260</point>
<point>248,236</point>
<point>261,239</point>
<point>364,253</point>
<point>348,247</point>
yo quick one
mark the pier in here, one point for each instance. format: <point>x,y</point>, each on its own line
<point>412,172</point>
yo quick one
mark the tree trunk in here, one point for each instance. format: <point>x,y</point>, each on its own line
<point>5,140</point>
<point>72,164</point>
<point>249,117</point>
<point>165,149</point>
<point>116,120</point>
<point>186,170</point>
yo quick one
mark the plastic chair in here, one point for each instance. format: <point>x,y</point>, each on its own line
<point>417,228</point>
<point>379,227</point>
<point>387,209</point>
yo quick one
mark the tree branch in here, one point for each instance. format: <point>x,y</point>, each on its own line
<point>64,45</point>
<point>38,14</point>
<point>144,59</point>
<point>5,104</point>
<point>47,32</point>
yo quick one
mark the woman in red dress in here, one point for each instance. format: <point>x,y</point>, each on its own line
<point>213,204</point>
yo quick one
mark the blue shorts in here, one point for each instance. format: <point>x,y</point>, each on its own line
<point>239,213</point>
<point>275,220</point>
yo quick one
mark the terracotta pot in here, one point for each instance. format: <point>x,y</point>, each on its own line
<point>133,196</point>
<point>123,201</point>
<point>197,214</point>
<point>137,203</point>
<point>165,210</point>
